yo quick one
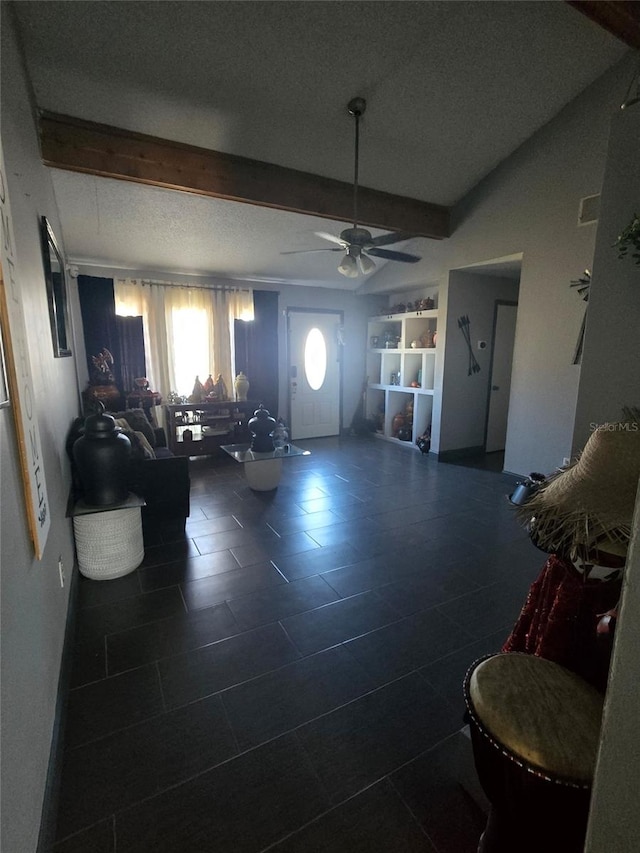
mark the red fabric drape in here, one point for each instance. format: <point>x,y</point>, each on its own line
<point>559,619</point>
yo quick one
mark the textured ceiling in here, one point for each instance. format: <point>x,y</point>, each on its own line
<point>452,89</point>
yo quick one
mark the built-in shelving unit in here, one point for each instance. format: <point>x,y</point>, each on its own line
<point>401,369</point>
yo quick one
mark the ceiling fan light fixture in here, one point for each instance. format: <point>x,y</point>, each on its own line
<point>348,266</point>
<point>366,264</point>
<point>355,241</point>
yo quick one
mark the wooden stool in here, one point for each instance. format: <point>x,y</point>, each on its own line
<point>535,729</point>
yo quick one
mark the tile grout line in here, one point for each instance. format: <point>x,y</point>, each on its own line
<point>162,696</point>
<point>304,657</point>
<point>411,812</point>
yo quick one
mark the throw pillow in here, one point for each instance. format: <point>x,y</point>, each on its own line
<point>140,447</point>
<point>137,421</point>
<point>149,452</point>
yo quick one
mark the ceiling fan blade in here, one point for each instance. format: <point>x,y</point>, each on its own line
<point>307,251</point>
<point>332,238</point>
<point>387,239</point>
<point>390,255</point>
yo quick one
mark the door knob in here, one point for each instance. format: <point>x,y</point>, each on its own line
<point>495,387</point>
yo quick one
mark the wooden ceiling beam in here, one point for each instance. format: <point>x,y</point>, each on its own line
<point>618,17</point>
<point>96,149</point>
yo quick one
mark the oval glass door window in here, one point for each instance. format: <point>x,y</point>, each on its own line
<point>315,359</point>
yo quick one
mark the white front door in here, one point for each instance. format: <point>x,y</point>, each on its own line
<point>503,340</point>
<point>314,373</point>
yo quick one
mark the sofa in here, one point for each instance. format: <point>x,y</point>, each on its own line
<point>155,474</point>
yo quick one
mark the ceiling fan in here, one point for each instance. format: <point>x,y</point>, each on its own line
<point>357,243</point>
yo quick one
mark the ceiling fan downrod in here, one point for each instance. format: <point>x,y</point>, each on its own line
<point>356,108</point>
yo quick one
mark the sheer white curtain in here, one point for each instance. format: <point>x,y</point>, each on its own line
<point>188,332</point>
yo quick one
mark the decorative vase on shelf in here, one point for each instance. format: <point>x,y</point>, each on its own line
<point>102,456</point>
<point>427,339</point>
<point>241,386</point>
<point>209,385</point>
<point>221,388</point>
<point>198,391</point>
<point>397,423</point>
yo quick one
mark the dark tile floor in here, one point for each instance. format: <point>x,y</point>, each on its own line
<point>286,675</point>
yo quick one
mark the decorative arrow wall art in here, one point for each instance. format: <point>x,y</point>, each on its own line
<point>464,324</point>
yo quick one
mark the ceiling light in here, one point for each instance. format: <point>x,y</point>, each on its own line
<point>348,266</point>
<point>366,264</point>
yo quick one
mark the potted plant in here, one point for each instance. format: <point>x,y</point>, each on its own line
<point>630,239</point>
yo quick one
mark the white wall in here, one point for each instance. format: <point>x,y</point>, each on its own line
<point>529,204</point>
<point>465,398</point>
<point>34,606</point>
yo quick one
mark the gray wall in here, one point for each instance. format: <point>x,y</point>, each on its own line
<point>465,398</point>
<point>614,321</point>
<point>529,204</point>
<point>33,604</point>
<point>611,357</point>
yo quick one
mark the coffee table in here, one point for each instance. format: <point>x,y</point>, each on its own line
<point>263,470</point>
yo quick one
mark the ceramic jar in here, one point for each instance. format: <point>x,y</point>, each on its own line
<point>241,386</point>
<point>102,456</point>
<point>261,426</point>
<point>427,339</point>
<point>397,423</point>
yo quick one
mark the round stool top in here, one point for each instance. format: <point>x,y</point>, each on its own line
<point>540,712</point>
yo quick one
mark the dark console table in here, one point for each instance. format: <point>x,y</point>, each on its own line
<point>198,429</point>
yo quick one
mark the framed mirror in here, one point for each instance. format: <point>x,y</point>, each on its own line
<point>54,275</point>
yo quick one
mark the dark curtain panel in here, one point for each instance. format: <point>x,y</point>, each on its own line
<point>257,350</point>
<point>130,355</point>
<point>97,306</point>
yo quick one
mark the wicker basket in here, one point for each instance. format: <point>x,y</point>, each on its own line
<point>109,544</point>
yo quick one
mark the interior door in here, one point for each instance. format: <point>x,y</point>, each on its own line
<point>500,388</point>
<point>314,373</point>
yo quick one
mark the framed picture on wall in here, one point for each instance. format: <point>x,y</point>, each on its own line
<point>55,280</point>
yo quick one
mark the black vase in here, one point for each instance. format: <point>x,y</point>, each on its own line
<point>102,460</point>
<point>261,426</point>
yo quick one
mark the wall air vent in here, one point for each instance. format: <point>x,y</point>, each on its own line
<point>589,209</point>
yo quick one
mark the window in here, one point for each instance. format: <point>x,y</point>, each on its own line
<point>190,328</point>
<point>188,331</point>
<point>315,359</point>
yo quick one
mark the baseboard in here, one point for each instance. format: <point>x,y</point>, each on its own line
<point>460,453</point>
<point>46,836</point>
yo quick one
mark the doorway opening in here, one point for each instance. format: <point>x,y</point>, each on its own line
<point>476,403</point>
